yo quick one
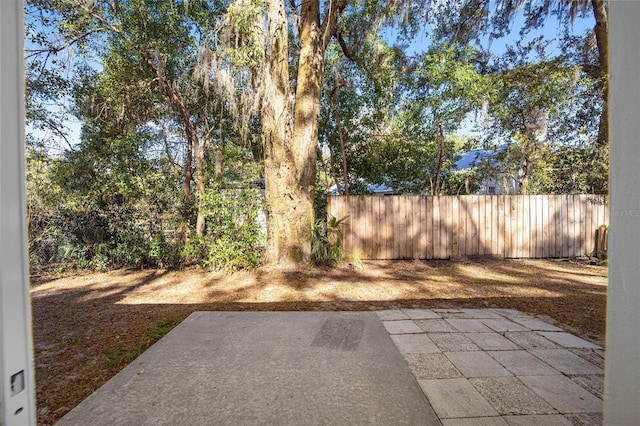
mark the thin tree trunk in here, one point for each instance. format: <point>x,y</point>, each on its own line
<point>332,166</point>
<point>436,186</point>
<point>345,176</point>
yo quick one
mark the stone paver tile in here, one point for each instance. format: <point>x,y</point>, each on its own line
<point>508,395</point>
<point>456,398</point>
<point>475,421</point>
<point>564,395</point>
<point>431,366</point>
<point>510,313</point>
<point>535,324</point>
<point>414,344</point>
<point>566,362</point>
<point>418,314</point>
<point>538,420</point>
<point>502,325</point>
<point>392,314</point>
<point>452,313</point>
<point>522,363</point>
<point>530,340</point>
<point>594,356</point>
<point>594,383</point>
<point>568,340</point>
<point>492,341</point>
<point>585,419</point>
<point>401,327</point>
<point>482,313</point>
<point>453,342</point>
<point>468,325</point>
<point>435,326</point>
<point>476,364</point>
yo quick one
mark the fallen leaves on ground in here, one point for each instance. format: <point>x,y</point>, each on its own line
<point>87,327</point>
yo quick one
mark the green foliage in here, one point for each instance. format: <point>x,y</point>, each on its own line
<point>326,248</point>
<point>118,355</point>
<point>234,239</point>
<point>160,330</point>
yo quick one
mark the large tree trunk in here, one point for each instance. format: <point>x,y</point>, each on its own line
<point>281,188</point>
<point>290,137</point>
<point>601,31</point>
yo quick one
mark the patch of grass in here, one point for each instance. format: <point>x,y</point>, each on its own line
<point>165,326</point>
<point>118,355</point>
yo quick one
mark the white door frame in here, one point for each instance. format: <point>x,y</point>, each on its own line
<point>17,393</point>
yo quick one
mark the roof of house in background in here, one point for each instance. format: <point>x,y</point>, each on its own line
<point>474,157</point>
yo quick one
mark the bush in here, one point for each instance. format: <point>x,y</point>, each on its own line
<point>233,240</point>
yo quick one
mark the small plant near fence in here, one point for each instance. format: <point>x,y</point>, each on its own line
<point>326,248</point>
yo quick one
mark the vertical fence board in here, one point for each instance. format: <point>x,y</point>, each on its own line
<point>571,224</point>
<point>448,227</point>
<point>455,226</point>
<point>590,237</point>
<point>507,227</point>
<point>422,247</point>
<point>429,226</point>
<point>482,224</point>
<point>462,225</point>
<point>539,226</point>
<point>436,228</point>
<point>545,226</point>
<point>475,225</point>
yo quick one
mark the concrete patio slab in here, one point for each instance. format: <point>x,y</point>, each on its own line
<point>566,362</point>
<point>417,314</point>
<point>502,325</point>
<point>468,325</point>
<point>453,398</point>
<point>491,341</point>
<point>564,395</point>
<point>522,363</point>
<point>231,368</point>
<point>392,315</point>
<point>535,324</point>
<point>530,340</point>
<point>435,326</point>
<point>540,420</point>
<point>594,356</point>
<point>475,421</point>
<point>476,364</point>
<point>401,327</point>
<point>508,395</point>
<point>585,419</point>
<point>568,340</point>
<point>414,344</point>
<point>482,313</point>
<point>431,366</point>
<point>452,313</point>
<point>453,342</point>
<point>594,383</point>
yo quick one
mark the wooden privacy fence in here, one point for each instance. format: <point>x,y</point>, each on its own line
<point>508,226</point>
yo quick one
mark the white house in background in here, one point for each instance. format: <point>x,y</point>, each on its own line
<point>492,183</point>
<point>375,189</point>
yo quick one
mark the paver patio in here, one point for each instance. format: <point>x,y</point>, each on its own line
<point>523,371</point>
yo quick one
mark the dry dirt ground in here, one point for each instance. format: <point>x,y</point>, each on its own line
<point>88,327</point>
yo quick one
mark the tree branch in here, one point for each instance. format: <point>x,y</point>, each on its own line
<point>345,48</point>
